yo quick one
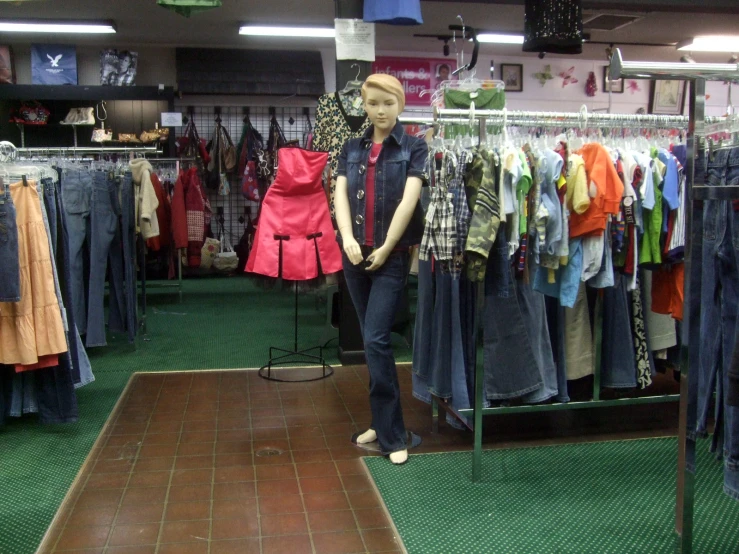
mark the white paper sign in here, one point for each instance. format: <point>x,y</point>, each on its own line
<point>171,119</point>
<point>355,40</point>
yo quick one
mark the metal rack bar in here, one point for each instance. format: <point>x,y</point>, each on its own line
<point>92,150</point>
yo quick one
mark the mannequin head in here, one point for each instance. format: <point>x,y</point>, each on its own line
<point>384,99</point>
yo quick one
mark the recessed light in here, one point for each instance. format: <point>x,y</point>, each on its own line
<point>47,26</point>
<point>273,31</point>
<point>711,43</point>
<point>500,38</point>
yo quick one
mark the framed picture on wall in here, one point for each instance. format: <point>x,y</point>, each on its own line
<point>667,97</point>
<point>512,75</point>
<point>7,71</point>
<point>617,86</point>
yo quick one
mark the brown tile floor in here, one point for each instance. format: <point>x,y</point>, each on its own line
<point>226,462</point>
<point>217,462</point>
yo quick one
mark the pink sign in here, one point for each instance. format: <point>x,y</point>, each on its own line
<point>416,75</point>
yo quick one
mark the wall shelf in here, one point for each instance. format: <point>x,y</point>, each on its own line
<point>84,93</point>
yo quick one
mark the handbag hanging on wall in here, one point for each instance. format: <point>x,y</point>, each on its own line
<point>251,142</point>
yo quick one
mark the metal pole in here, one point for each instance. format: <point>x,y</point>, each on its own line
<point>691,323</point>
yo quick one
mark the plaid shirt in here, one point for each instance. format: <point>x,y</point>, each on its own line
<point>440,233</point>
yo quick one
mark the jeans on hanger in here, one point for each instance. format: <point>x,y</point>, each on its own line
<point>122,317</point>
<point>10,276</point>
<point>511,365</point>
<point>423,329</point>
<point>76,191</point>
<point>376,296</point>
<point>718,321</point>
<point>440,379</point>
<point>556,325</point>
<point>105,229</point>
<point>79,364</point>
<point>534,316</point>
<point>618,359</point>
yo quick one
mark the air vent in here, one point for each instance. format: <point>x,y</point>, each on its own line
<point>609,21</point>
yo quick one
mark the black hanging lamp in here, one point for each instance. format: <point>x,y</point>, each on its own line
<point>553,26</point>
<point>189,7</point>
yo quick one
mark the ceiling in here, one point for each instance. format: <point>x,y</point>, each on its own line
<point>143,23</point>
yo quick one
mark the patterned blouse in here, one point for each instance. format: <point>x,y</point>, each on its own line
<point>334,126</point>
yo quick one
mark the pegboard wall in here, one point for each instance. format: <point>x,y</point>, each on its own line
<point>295,124</point>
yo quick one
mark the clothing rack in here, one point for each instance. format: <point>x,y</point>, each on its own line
<point>178,253</point>
<point>697,192</point>
<point>140,243</point>
<point>695,126</point>
<point>91,150</point>
<point>583,120</point>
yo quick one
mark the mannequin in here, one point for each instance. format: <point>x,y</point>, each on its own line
<point>379,182</point>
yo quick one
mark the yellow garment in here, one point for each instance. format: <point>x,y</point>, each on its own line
<point>32,327</point>
<point>578,197</point>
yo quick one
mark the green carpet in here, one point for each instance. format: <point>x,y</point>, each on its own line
<point>605,498</point>
<point>220,324</point>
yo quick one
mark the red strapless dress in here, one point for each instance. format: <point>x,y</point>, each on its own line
<point>294,221</point>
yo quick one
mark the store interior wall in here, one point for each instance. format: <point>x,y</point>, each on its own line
<point>157,66</point>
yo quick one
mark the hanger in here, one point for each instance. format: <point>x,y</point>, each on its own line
<point>355,84</point>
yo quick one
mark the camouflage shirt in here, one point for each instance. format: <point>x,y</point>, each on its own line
<point>481,185</point>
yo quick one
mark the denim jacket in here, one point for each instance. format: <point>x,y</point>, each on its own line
<point>402,156</point>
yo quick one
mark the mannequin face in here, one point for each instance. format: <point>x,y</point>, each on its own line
<point>382,109</point>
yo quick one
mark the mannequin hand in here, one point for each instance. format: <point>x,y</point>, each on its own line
<point>378,258</point>
<point>353,251</point>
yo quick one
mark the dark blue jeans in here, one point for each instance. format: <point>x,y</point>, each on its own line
<point>718,321</point>
<point>105,229</point>
<point>123,316</point>
<point>77,201</point>
<point>10,276</point>
<point>376,297</point>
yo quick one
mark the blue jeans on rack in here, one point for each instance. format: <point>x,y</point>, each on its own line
<point>376,296</point>
<point>511,365</point>
<point>79,363</point>
<point>618,359</point>
<point>76,189</point>
<point>10,276</point>
<point>718,322</point>
<point>122,317</point>
<point>105,229</point>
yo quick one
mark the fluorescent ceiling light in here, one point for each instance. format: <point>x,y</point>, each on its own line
<point>55,27</point>
<point>498,38</point>
<point>271,31</point>
<point>714,43</point>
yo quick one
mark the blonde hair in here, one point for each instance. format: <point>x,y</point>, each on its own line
<point>386,83</point>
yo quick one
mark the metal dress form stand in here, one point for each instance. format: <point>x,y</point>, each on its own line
<point>698,74</point>
<point>306,356</point>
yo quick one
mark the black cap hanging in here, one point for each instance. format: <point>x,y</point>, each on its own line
<point>553,26</point>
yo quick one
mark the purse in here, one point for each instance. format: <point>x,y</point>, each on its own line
<point>250,144</point>
<point>154,135</point>
<point>102,134</point>
<point>30,113</point>
<point>79,116</point>
<point>128,137</point>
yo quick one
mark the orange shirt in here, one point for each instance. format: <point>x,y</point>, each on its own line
<point>606,190</point>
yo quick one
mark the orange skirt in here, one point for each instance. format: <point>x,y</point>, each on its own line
<point>32,327</point>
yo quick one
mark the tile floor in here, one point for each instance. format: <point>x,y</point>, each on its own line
<point>226,462</point>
